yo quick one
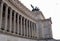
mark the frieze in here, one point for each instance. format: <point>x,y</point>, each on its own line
<point>16,2</point>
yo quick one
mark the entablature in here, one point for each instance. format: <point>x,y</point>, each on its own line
<point>21,8</point>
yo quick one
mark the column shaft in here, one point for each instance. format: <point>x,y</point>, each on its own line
<point>6,15</point>
<point>14,22</point>
<point>27,27</point>
<point>29,30</point>
<point>34,30</point>
<point>10,20</point>
<point>18,23</point>
<point>24,26</point>
<point>1,11</point>
<point>21,25</point>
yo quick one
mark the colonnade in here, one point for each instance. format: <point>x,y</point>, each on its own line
<point>11,21</point>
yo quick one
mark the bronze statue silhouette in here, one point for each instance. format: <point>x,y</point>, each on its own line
<point>35,9</point>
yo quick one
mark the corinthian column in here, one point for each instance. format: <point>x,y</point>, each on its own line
<point>29,30</point>
<point>6,15</point>
<point>1,11</point>
<point>18,23</point>
<point>24,26</point>
<point>14,22</point>
<point>10,20</point>
<point>21,25</point>
<point>27,27</point>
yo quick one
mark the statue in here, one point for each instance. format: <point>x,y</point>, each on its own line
<point>34,9</point>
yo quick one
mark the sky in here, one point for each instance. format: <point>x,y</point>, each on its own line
<point>50,8</point>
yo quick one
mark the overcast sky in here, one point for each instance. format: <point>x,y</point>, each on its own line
<point>50,8</point>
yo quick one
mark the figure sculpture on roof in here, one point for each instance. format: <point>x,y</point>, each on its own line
<point>35,9</point>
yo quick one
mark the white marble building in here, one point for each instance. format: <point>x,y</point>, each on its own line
<point>18,23</point>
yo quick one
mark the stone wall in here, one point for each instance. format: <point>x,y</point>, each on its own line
<point>4,37</point>
<point>48,40</point>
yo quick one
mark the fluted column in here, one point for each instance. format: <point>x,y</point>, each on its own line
<point>18,23</point>
<point>14,22</point>
<point>1,11</point>
<point>24,26</point>
<point>21,25</point>
<point>10,20</point>
<point>34,30</point>
<point>29,30</point>
<point>27,27</point>
<point>6,15</point>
